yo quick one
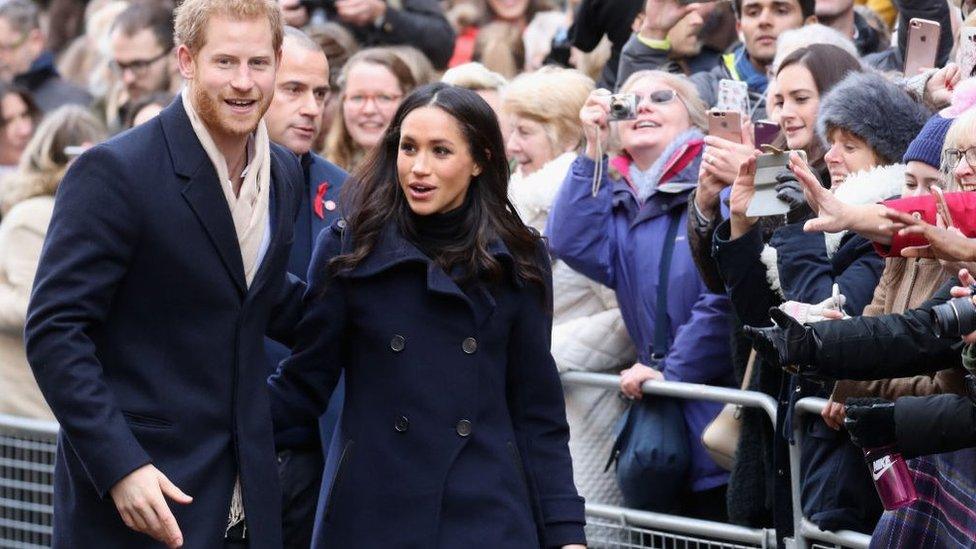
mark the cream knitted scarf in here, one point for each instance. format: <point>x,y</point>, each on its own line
<point>249,209</point>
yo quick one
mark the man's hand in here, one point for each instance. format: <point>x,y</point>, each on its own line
<point>360,12</point>
<point>294,13</point>
<point>632,378</point>
<point>661,15</point>
<point>870,422</point>
<point>139,498</point>
<point>788,345</point>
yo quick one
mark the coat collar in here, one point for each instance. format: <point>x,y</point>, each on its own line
<point>205,197</point>
<point>393,249</point>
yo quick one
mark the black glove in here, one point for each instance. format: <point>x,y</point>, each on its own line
<point>870,422</point>
<point>790,190</point>
<point>788,345</point>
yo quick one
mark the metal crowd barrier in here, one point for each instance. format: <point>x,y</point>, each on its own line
<point>27,453</point>
<point>618,527</point>
<point>804,531</point>
<point>28,447</point>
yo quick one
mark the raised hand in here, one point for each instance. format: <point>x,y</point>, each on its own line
<point>661,15</point>
<point>743,189</point>
<point>140,498</point>
<point>594,116</point>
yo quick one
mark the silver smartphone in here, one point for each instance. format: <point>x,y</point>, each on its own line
<point>768,166</point>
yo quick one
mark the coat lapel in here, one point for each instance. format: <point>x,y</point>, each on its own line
<point>202,190</point>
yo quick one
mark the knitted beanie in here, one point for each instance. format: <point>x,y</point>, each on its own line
<point>927,146</point>
<point>874,109</point>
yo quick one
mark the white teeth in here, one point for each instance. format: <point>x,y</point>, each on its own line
<point>641,125</point>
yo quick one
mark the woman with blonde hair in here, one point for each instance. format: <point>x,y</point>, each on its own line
<point>27,204</point>
<point>373,82</point>
<point>618,229</point>
<point>588,331</point>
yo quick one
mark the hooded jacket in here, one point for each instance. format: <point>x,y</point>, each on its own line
<point>616,238</point>
<point>588,335</point>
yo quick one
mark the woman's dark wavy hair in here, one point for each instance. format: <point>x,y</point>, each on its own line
<point>374,197</point>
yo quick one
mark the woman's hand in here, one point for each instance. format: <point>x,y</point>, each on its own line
<point>743,189</point>
<point>574,546</point>
<point>945,244</point>
<point>938,89</point>
<point>594,116</point>
<point>722,157</point>
<point>632,378</point>
<point>833,215</point>
<point>833,414</point>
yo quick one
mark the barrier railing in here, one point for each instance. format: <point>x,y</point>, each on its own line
<point>621,527</point>
<point>28,448</point>
<point>27,453</point>
<point>805,531</point>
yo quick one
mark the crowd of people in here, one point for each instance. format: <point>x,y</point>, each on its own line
<point>471,197</point>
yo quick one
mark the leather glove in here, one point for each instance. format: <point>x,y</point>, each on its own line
<point>790,190</point>
<point>870,422</point>
<point>788,345</point>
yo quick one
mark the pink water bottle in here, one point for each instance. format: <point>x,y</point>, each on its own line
<point>891,477</point>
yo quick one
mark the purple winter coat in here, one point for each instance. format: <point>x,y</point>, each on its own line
<point>616,239</point>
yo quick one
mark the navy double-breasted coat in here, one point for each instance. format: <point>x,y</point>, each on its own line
<point>148,344</point>
<point>453,433</point>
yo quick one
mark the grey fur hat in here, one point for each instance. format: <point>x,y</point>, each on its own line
<point>876,110</point>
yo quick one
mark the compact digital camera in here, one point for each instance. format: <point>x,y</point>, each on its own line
<point>623,106</point>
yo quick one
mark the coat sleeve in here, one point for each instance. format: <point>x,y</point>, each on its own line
<point>896,345</point>
<point>808,275</point>
<point>744,273</point>
<point>594,343</point>
<point>934,424</point>
<point>638,56</point>
<point>700,240</point>
<point>90,241</point>
<point>538,410</point>
<point>421,24</point>
<point>301,386</point>
<point>21,243</point>
<point>580,226</point>
<point>701,351</point>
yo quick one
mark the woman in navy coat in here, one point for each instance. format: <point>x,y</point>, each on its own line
<point>435,299</point>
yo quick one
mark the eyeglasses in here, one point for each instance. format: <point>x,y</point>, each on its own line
<point>659,97</point>
<point>952,157</point>
<point>381,100</point>
<point>138,67</point>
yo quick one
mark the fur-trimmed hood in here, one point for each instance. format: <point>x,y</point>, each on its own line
<point>532,195</point>
<point>19,185</point>
<point>865,187</point>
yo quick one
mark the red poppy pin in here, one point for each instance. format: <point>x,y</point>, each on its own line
<point>320,204</point>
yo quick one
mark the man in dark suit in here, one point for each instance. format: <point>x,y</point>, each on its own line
<point>294,119</point>
<point>163,268</point>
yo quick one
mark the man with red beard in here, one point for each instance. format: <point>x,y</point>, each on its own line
<point>164,266</point>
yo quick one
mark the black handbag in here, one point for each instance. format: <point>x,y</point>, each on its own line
<point>651,451</point>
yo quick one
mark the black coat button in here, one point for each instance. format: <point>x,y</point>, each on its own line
<point>401,424</point>
<point>464,428</point>
<point>398,343</point>
<point>469,345</point>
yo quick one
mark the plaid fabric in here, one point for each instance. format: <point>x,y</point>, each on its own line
<point>944,515</point>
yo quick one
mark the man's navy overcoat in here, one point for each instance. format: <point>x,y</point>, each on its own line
<point>453,433</point>
<point>148,344</point>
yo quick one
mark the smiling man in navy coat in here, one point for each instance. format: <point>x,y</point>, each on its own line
<point>294,119</point>
<point>163,268</point>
